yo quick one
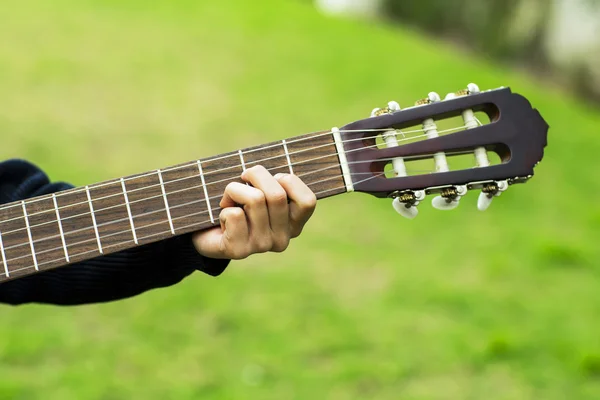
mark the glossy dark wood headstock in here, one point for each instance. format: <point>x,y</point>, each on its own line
<point>516,132</point>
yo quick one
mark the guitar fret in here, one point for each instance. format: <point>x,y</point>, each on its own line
<point>243,163</point>
<point>35,263</point>
<point>6,272</point>
<point>318,168</point>
<point>60,228</point>
<point>242,160</point>
<point>87,191</point>
<point>287,156</point>
<point>210,213</point>
<point>164,193</point>
<point>129,211</point>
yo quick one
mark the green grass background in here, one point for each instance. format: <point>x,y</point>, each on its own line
<point>462,305</point>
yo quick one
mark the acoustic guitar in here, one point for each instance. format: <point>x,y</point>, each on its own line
<point>401,154</point>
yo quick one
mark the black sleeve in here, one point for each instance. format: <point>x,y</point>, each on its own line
<point>111,277</point>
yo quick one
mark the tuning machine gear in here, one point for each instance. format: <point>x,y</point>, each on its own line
<point>489,190</point>
<point>392,107</point>
<point>449,197</point>
<point>405,203</point>
<point>432,97</point>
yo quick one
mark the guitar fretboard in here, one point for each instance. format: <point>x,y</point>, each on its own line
<point>77,224</point>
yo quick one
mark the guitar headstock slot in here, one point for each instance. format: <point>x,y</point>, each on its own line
<point>416,132</point>
<point>424,164</point>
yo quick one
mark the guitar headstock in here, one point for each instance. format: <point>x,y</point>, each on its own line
<point>499,130</point>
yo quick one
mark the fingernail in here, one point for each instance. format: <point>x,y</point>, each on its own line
<point>278,176</point>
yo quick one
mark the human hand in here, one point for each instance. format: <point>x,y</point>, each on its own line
<point>264,222</point>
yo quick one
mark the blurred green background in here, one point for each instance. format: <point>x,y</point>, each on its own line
<point>461,305</point>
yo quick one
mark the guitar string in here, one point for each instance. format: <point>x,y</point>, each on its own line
<point>160,233</point>
<point>189,203</point>
<point>193,177</point>
<point>230,179</point>
<point>192,164</point>
<point>214,210</point>
<point>187,216</point>
<point>236,154</point>
<point>202,200</point>
<point>312,183</point>
<point>232,154</point>
<point>202,212</point>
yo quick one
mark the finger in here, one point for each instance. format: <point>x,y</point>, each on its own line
<point>255,206</point>
<point>230,240</point>
<point>209,243</point>
<point>302,201</point>
<point>276,198</point>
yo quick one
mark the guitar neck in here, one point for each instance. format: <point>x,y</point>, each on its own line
<point>71,226</point>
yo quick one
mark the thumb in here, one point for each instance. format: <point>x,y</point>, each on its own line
<point>209,242</point>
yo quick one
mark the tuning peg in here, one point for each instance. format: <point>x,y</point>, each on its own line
<point>391,108</point>
<point>432,97</point>
<point>406,203</point>
<point>441,203</point>
<point>450,96</point>
<point>470,89</point>
<point>481,158</point>
<point>473,88</point>
<point>488,192</point>
<point>449,198</point>
<point>484,201</point>
<point>407,211</point>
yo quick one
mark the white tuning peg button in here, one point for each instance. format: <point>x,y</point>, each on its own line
<point>450,96</point>
<point>486,197</point>
<point>449,201</point>
<point>441,203</point>
<point>473,88</point>
<point>393,106</point>
<point>433,97</point>
<point>407,211</point>
<point>484,201</point>
<point>406,203</point>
